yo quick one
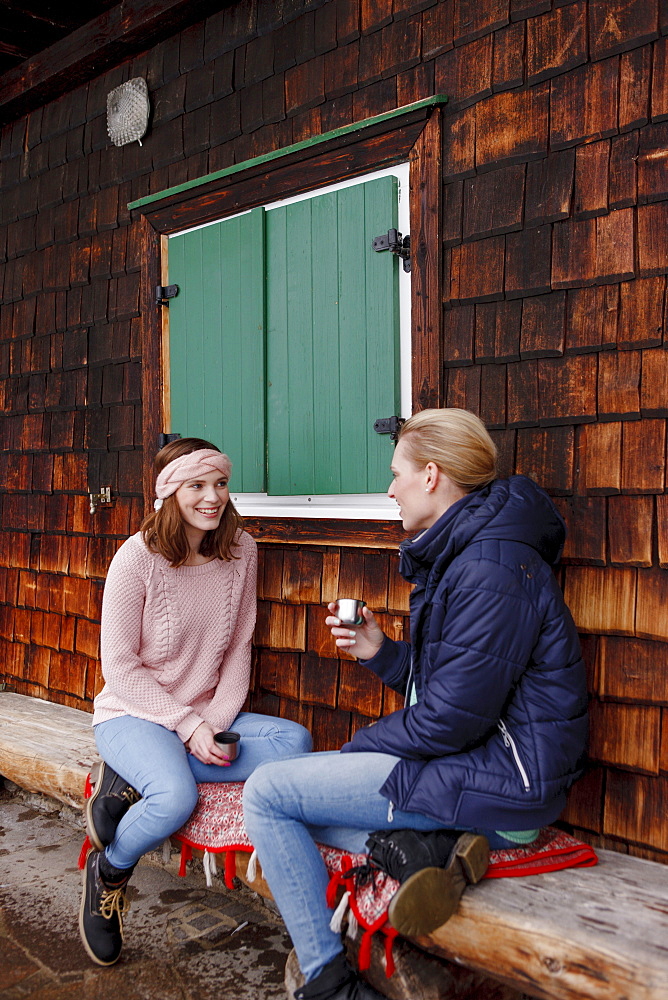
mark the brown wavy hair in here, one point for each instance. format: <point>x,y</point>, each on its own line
<point>163,530</point>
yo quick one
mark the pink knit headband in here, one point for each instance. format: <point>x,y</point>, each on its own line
<point>190,466</point>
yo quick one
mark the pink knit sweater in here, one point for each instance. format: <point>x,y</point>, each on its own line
<point>176,643</point>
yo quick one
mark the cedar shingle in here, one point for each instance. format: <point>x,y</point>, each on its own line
<point>508,69</point>
<point>630,530</point>
<point>634,670</point>
<point>472,19</point>
<point>574,253</point>
<point>547,457</point>
<point>543,325</point>
<point>652,245</point>
<point>659,93</point>
<point>623,171</point>
<point>583,104</point>
<point>465,74</point>
<point>567,389</point>
<point>634,80</point>
<point>463,388</point>
<point>304,86</point>
<point>341,70</point>
<point>556,42</point>
<point>644,456</point>
<point>653,398</point>
<point>662,530</point>
<point>415,84</point>
<point>618,25</point>
<point>360,690</point>
<point>493,202</point>
<point>374,14</point>
<point>591,179</point>
<point>477,271</point>
<point>318,680</point>
<point>453,200</point>
<point>512,127</point>
<point>626,736</point>
<point>585,519</point>
<point>601,599</point>
<point>619,385</point>
<point>399,590</point>
<point>522,394</point>
<point>521,9</point>
<point>635,808</point>
<point>459,141</point>
<point>601,458</point>
<point>584,808</point>
<point>652,173</point>
<point>278,673</point>
<point>493,396</point>
<point>641,313</point>
<point>615,246</point>
<point>458,337</point>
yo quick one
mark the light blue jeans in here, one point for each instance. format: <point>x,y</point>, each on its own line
<point>331,798</point>
<point>156,763</point>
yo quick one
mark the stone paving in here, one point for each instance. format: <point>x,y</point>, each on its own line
<point>182,940</point>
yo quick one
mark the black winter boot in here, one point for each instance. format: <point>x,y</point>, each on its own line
<point>111,799</point>
<point>103,906</point>
<point>434,868</point>
<point>337,981</point>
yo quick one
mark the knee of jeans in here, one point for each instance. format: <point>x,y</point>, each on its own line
<point>301,739</point>
<point>258,788</point>
<point>173,802</point>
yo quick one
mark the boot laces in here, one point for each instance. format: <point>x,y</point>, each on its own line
<point>131,795</point>
<point>113,901</point>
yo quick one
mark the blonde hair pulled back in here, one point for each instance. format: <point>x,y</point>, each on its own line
<point>456,441</point>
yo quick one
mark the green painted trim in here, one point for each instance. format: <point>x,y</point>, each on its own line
<point>285,150</point>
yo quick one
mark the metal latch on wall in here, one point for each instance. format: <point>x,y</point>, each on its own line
<point>394,242</point>
<point>163,293</point>
<point>389,425</point>
<point>104,496</point>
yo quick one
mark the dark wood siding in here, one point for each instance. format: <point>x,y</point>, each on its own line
<point>554,197</point>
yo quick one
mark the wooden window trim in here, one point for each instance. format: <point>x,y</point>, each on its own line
<point>414,136</point>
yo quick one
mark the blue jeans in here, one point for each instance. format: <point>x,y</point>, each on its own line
<point>156,763</point>
<point>331,798</point>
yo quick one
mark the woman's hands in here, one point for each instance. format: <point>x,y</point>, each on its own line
<point>362,641</point>
<point>203,746</point>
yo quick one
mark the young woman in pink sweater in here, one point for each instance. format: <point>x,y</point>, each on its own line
<point>178,615</point>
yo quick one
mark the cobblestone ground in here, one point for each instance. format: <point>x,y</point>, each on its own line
<point>182,940</point>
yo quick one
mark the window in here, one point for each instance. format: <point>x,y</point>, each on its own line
<point>285,345</point>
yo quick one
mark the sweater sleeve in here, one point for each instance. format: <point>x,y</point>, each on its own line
<point>232,688</point>
<point>127,679</point>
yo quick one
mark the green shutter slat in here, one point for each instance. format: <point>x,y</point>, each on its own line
<point>333,328</point>
<point>216,325</point>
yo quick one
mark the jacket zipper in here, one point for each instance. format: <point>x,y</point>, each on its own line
<point>510,743</point>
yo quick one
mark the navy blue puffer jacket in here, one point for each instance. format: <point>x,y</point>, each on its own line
<point>499,730</point>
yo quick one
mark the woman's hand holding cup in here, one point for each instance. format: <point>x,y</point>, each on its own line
<point>362,641</point>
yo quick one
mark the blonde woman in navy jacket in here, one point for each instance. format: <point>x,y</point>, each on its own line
<point>494,727</point>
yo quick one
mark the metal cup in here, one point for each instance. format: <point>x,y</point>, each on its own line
<point>228,742</point>
<point>349,611</point>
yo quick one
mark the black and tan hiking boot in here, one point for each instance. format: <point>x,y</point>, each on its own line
<point>433,868</point>
<point>337,981</point>
<point>112,797</point>
<point>103,906</point>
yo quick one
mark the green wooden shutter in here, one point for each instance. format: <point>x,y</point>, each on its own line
<point>332,341</point>
<point>216,342</point>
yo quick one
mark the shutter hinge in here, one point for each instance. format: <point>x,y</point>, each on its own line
<point>389,425</point>
<point>395,243</point>
<point>163,293</point>
<point>164,439</point>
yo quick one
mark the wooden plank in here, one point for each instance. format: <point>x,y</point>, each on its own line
<point>528,262</point>
<point>602,599</point>
<point>574,253</point>
<point>652,248</point>
<point>477,271</point>
<point>543,325</point>
<point>318,680</point>
<point>465,74</point>
<point>547,457</point>
<point>313,531</point>
<point>630,521</point>
<point>512,127</point>
<point>621,24</point>
<point>619,385</point>
<point>278,673</point>
<point>523,394</point>
<point>623,170</point>
<point>29,727</point>
<point>662,530</point>
<point>458,336</point>
<point>556,936</point>
<point>493,202</point>
<point>463,388</point>
<point>508,68</point>
<point>567,389</point>
<point>493,396</point>
<point>360,690</point>
<point>659,92</point>
<point>626,736</point>
<point>459,145</point>
<point>615,246</point>
<point>633,670</point>
<point>652,181</point>
<point>472,19</point>
<point>652,595</point>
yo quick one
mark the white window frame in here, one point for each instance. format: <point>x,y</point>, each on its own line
<point>353,506</point>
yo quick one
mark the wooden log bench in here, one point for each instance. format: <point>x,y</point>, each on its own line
<point>598,933</point>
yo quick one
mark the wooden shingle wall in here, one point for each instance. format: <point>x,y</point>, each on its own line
<point>555,202</point>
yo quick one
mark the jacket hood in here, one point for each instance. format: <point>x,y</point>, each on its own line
<point>514,509</point>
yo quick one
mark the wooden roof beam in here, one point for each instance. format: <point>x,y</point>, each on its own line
<point>108,39</point>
